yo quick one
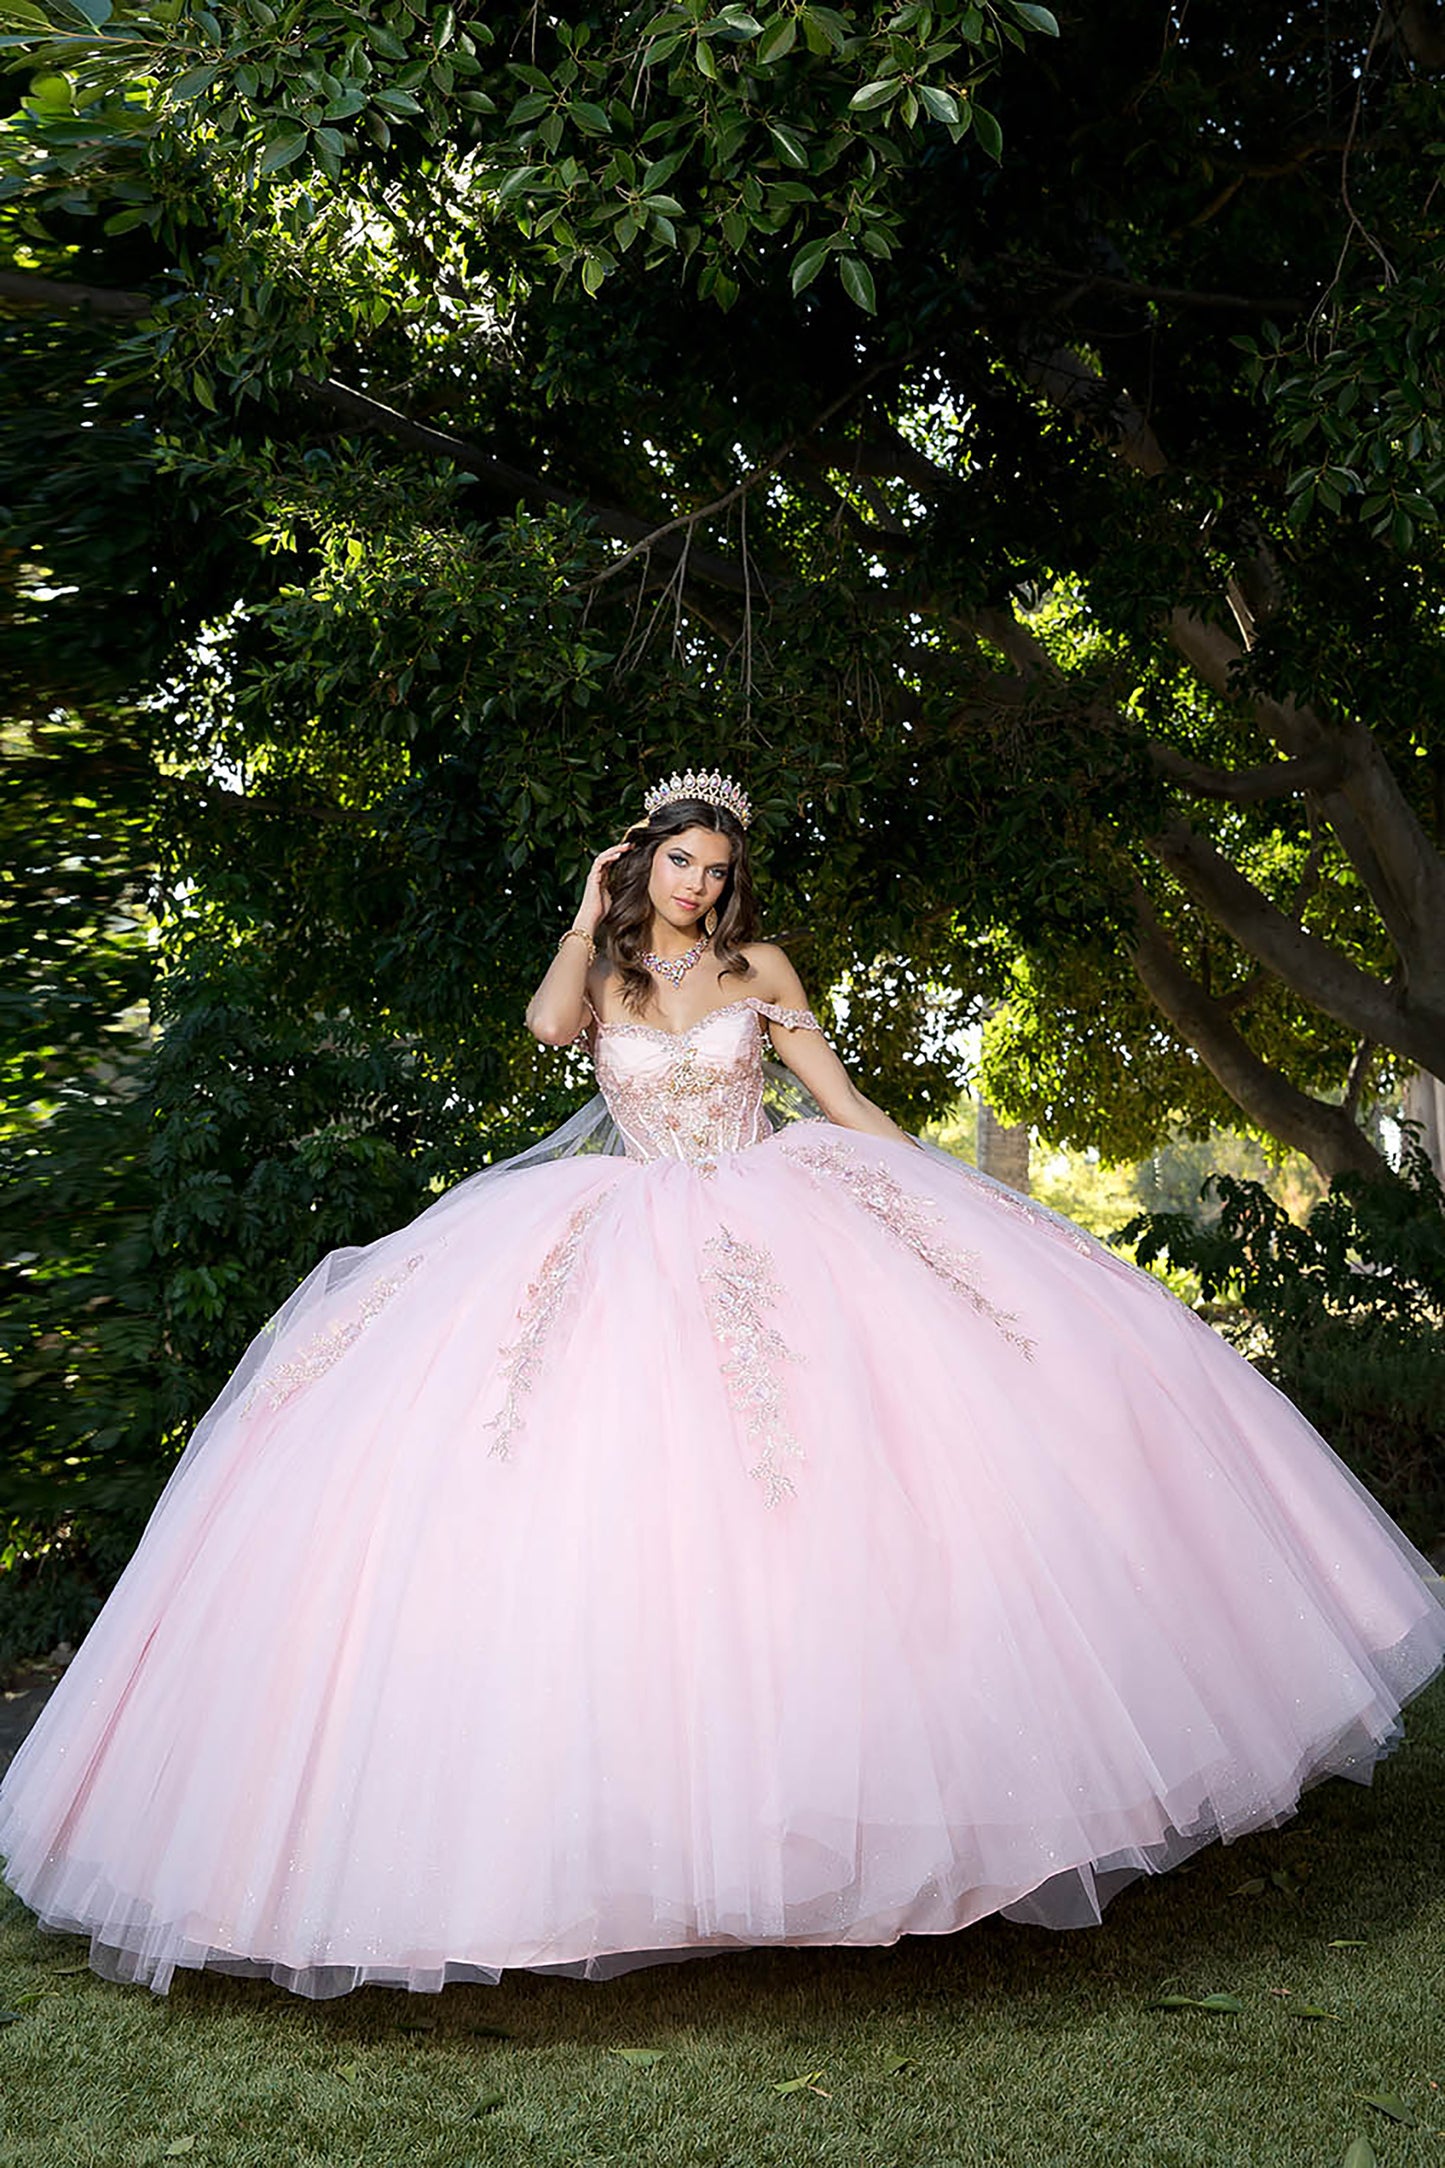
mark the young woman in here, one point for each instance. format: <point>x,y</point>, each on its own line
<point>695,1535</point>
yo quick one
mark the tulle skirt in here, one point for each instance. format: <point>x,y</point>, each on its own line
<point>627,1561</point>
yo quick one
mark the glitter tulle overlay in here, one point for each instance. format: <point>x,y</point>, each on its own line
<point>699,1535</point>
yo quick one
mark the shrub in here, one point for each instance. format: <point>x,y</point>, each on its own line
<point>1349,1307</point>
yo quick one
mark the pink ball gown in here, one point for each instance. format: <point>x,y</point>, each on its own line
<point>752,1536</point>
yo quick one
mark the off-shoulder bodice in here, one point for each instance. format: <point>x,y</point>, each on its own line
<point>691,1094</point>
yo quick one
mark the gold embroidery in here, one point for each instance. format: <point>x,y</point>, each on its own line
<point>910,1220</point>
<point>330,1344</point>
<point>738,1286</point>
<point>521,1358</point>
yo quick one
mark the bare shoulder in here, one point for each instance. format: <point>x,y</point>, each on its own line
<point>774,978</point>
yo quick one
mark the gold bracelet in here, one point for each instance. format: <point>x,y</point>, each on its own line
<point>575,933</point>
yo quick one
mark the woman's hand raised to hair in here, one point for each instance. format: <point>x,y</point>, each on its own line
<point>556,1012</point>
<point>593,907</point>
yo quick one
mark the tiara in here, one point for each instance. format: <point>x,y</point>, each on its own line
<point>711,789</point>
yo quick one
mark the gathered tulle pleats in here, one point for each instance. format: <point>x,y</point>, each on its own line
<point>636,1560</point>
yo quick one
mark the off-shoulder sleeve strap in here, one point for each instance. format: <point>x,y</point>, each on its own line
<point>583,1033</point>
<point>790,1019</point>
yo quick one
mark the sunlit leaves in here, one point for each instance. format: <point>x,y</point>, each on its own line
<point>793,121</point>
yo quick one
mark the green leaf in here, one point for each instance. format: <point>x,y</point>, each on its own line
<point>594,271</point>
<point>1359,2153</point>
<point>1344,1943</point>
<point>808,2081</point>
<point>398,101</point>
<point>1391,2105</point>
<point>95,12</point>
<point>1228,2003</point>
<point>789,143</point>
<point>488,2105</point>
<point>178,2146</point>
<point>193,82</point>
<point>858,283</point>
<point>591,117</point>
<point>809,262</point>
<point>987,129</point>
<point>940,103</point>
<point>661,170</point>
<point>1037,18</point>
<point>873,94</point>
<point>640,2056</point>
<point>283,150</point>
<point>706,65</point>
<point>1311,2009</point>
<point>52,93</point>
<point>201,386</point>
<point>778,41</point>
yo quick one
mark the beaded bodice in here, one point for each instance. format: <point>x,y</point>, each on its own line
<point>691,1094</point>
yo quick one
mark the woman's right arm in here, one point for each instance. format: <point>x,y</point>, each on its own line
<point>558,1009</point>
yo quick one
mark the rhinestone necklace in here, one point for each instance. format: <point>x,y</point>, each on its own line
<point>675,968</point>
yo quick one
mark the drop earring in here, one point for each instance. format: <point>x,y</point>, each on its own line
<point>709,924</point>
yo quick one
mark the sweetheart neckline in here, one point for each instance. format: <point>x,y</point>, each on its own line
<point>660,1031</point>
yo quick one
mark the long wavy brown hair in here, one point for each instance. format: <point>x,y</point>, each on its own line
<point>622,934</point>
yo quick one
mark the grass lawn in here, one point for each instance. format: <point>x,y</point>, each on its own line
<point>1003,2045</point>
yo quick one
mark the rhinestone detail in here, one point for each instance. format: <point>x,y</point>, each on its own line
<point>328,1346</point>
<point>912,1221</point>
<point>521,1358</point>
<point>739,1285</point>
<point>694,1101</point>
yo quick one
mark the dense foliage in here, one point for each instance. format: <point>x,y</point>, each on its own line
<point>1351,1305</point>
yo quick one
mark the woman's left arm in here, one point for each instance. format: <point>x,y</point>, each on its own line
<point>809,1056</point>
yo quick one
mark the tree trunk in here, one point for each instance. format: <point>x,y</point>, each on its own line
<point>1003,1149</point>
<point>1326,1134</point>
<point>1425,1104</point>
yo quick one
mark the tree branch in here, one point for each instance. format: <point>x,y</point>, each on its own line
<point>1369,813</point>
<point>690,521</point>
<point>517,481</point>
<point>1420,27</point>
<point>1066,378</point>
<point>1083,282</point>
<point>1323,1132</point>
<point>1319,770</point>
<point>27,289</point>
<point>1314,970</point>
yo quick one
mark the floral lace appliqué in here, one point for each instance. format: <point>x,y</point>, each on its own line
<point>694,1093</point>
<point>522,1357</point>
<point>913,1222</point>
<point>316,1356</point>
<point>739,1286</point>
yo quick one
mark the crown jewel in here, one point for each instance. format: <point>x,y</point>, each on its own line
<point>709,789</point>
